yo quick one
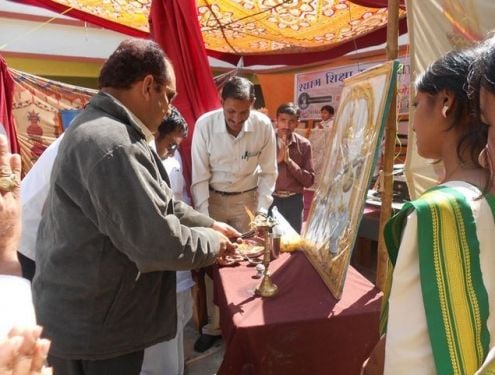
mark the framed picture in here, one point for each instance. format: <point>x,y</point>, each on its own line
<point>318,139</point>
<point>351,153</point>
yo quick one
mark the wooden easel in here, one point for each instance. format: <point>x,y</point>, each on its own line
<point>389,151</point>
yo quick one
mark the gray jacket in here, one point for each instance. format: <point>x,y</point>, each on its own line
<point>110,240</point>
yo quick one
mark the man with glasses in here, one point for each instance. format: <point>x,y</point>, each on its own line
<point>168,357</point>
<point>170,135</point>
<point>112,235</point>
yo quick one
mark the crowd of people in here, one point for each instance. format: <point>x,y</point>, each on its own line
<point>109,236</point>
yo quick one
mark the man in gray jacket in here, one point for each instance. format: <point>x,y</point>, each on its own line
<point>111,233</point>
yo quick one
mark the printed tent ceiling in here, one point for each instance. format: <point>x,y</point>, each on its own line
<point>289,32</point>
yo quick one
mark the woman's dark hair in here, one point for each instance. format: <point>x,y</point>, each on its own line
<point>482,72</point>
<point>238,88</point>
<point>289,109</point>
<point>450,73</point>
<point>133,60</point>
<point>172,123</point>
<point>482,75</point>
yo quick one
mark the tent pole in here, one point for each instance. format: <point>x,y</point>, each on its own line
<point>389,152</point>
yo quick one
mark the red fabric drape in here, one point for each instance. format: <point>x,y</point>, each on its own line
<point>377,3</point>
<point>174,25</point>
<point>6,100</point>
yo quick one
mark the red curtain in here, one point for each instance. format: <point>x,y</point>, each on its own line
<point>174,25</point>
<point>6,100</point>
<point>377,3</point>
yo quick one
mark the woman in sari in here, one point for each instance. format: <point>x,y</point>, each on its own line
<point>436,304</point>
<point>482,91</point>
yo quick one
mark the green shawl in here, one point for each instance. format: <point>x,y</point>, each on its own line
<point>454,296</point>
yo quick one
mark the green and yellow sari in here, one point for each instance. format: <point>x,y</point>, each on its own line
<point>455,299</point>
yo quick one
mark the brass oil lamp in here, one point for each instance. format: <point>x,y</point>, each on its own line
<point>264,227</point>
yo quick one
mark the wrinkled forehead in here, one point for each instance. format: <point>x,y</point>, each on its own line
<point>236,105</point>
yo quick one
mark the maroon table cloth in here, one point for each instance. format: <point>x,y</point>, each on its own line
<point>301,330</point>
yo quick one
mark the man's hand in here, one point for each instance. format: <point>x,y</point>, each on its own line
<point>10,211</point>
<point>287,155</point>
<point>24,353</point>
<point>281,149</point>
<point>225,229</point>
<point>227,250</point>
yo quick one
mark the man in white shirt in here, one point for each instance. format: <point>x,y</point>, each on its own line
<point>234,157</point>
<point>234,167</point>
<point>167,357</point>
<point>34,190</point>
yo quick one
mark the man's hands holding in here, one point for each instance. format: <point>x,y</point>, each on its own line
<point>227,248</point>
<point>282,149</point>
<point>225,229</point>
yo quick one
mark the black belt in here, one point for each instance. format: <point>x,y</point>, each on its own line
<point>232,192</point>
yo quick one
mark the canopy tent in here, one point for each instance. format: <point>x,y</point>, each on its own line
<point>267,32</point>
<point>286,32</point>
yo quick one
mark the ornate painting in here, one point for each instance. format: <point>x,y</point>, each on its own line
<point>352,149</point>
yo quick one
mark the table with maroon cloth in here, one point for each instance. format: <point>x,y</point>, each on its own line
<point>303,329</point>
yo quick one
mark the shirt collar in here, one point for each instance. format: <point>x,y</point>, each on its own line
<point>148,135</point>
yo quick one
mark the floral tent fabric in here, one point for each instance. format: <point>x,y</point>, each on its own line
<point>262,31</point>
<point>37,107</point>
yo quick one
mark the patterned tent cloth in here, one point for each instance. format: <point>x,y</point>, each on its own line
<point>37,108</point>
<point>263,31</point>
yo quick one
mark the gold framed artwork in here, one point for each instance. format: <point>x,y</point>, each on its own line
<point>352,150</point>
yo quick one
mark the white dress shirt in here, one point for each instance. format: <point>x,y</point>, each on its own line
<point>173,166</point>
<point>326,124</point>
<point>34,190</point>
<point>17,305</point>
<point>408,348</point>
<point>233,164</point>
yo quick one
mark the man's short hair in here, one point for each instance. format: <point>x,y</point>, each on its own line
<point>133,60</point>
<point>238,88</point>
<point>289,109</point>
<point>172,123</point>
<point>328,108</point>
